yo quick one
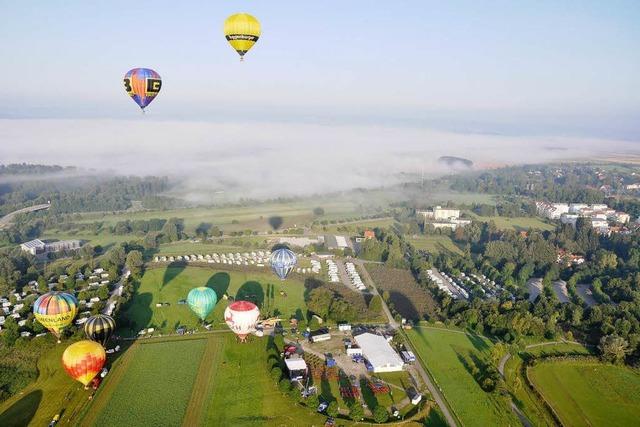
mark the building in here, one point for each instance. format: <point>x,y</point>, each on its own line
<point>34,247</point>
<point>379,353</point>
<point>332,242</point>
<point>369,234</point>
<point>296,367</point>
<point>439,213</point>
<point>620,217</point>
<point>319,335</point>
<point>37,246</point>
<point>552,210</point>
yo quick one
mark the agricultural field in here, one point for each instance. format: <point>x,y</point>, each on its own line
<point>517,224</point>
<point>589,392</point>
<point>353,226</point>
<point>237,218</point>
<point>443,352</point>
<point>435,243</point>
<point>172,284</point>
<point>141,396</point>
<point>407,297</point>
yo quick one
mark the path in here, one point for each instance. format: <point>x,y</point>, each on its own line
<point>6,220</point>
<point>435,392</point>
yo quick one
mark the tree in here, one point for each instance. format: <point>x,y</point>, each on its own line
<point>380,414</point>
<point>313,401</point>
<point>332,409</point>
<point>10,332</point>
<point>320,301</point>
<point>318,211</point>
<point>613,348</point>
<point>357,412</point>
<point>284,385</point>
<point>134,262</point>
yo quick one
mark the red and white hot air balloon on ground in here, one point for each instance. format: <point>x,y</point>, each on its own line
<point>241,317</point>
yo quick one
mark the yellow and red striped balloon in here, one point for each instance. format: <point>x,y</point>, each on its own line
<point>83,360</point>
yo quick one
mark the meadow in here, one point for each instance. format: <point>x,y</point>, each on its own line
<point>172,284</point>
<point>442,351</point>
<point>156,387</point>
<point>589,392</point>
<point>435,243</point>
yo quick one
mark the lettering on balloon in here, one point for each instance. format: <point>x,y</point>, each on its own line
<point>154,85</point>
<point>127,85</point>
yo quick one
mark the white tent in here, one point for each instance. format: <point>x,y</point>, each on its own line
<point>379,353</point>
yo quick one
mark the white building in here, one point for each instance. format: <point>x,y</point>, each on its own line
<point>440,213</point>
<point>379,353</point>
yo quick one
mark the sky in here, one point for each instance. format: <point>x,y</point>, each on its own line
<point>426,72</point>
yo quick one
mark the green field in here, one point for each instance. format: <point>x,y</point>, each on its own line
<point>435,243</point>
<point>53,392</point>
<point>156,388</point>
<point>517,224</point>
<point>441,351</point>
<point>589,392</point>
<point>171,284</point>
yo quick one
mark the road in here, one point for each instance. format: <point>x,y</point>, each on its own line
<point>435,392</point>
<point>6,220</point>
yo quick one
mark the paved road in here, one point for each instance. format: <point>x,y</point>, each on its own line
<point>435,392</point>
<point>6,220</point>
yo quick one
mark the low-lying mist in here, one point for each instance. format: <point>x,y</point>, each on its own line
<point>274,159</point>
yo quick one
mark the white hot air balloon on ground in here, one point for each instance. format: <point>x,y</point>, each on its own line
<point>242,317</point>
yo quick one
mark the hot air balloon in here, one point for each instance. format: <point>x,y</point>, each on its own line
<point>242,32</point>
<point>55,310</point>
<point>99,328</point>
<point>283,261</point>
<point>241,317</point>
<point>142,85</point>
<point>83,360</point>
<point>202,300</point>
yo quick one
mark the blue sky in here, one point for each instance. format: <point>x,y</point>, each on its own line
<point>566,67</point>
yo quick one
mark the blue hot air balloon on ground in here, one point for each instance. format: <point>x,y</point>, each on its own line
<point>201,301</point>
<point>283,260</point>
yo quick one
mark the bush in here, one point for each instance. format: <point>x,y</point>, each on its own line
<point>380,414</point>
<point>332,409</point>
<point>284,385</point>
<point>276,373</point>
<point>313,401</point>
<point>356,413</point>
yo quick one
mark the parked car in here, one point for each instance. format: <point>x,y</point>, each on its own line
<point>322,406</point>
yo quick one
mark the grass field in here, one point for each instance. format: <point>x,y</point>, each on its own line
<point>517,224</point>
<point>435,243</point>
<point>171,284</point>
<point>441,351</point>
<point>53,392</point>
<point>156,388</point>
<point>589,392</point>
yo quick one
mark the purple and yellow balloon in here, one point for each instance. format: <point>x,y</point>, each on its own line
<point>142,85</point>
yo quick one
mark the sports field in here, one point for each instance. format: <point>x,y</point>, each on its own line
<point>442,350</point>
<point>172,284</point>
<point>589,392</point>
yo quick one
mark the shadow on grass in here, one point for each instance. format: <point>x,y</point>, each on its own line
<point>367,395</point>
<point>251,291</point>
<point>404,305</point>
<point>478,343</point>
<point>219,282</point>
<point>21,413</point>
<point>435,419</point>
<point>172,271</point>
<point>137,316</point>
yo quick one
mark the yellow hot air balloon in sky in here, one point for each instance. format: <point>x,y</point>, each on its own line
<point>242,32</point>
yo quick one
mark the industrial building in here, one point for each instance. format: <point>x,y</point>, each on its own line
<point>379,353</point>
<point>37,246</point>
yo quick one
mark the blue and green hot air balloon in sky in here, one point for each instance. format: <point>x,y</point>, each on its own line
<point>202,301</point>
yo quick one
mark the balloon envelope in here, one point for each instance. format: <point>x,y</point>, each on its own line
<point>241,317</point>
<point>202,301</point>
<point>99,328</point>
<point>83,360</point>
<point>242,32</point>
<point>142,85</point>
<point>282,262</point>
<point>55,310</point>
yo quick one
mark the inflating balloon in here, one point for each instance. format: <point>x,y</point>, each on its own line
<point>202,300</point>
<point>142,85</point>
<point>83,360</point>
<point>242,317</point>
<point>55,310</point>
<point>99,328</point>
<point>242,32</point>
<point>283,261</point>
